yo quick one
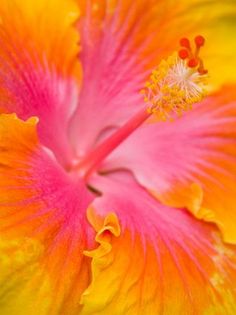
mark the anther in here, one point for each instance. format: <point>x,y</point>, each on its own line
<point>177,82</point>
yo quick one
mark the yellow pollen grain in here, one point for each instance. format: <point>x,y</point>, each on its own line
<point>173,88</point>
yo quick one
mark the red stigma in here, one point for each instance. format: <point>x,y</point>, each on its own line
<point>184,42</point>
<point>183,53</point>
<point>192,63</point>
<point>199,41</point>
<point>192,58</point>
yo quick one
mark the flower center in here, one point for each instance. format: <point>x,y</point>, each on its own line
<point>177,82</point>
<point>174,86</point>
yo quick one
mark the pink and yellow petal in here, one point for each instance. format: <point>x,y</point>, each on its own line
<point>38,65</point>
<point>130,38</point>
<point>189,162</point>
<point>152,259</point>
<point>43,226</point>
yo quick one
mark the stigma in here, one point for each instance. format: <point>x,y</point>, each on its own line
<point>177,82</point>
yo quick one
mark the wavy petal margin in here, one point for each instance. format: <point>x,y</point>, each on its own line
<point>190,162</point>
<point>153,259</point>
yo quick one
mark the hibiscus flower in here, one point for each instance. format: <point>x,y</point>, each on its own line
<point>113,202</point>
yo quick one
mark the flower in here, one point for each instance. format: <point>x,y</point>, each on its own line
<point>110,204</point>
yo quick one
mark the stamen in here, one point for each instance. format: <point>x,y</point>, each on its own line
<point>174,86</point>
<point>177,83</point>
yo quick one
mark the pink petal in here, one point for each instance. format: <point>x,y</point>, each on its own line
<point>122,41</point>
<point>152,259</point>
<point>43,226</point>
<point>35,68</point>
<point>200,147</point>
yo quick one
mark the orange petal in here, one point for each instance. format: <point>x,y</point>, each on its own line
<point>43,227</point>
<point>42,30</point>
<point>152,259</point>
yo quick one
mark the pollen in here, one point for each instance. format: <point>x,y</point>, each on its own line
<point>177,83</point>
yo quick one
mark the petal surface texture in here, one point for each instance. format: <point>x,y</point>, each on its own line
<point>151,242</point>
<point>43,227</point>
<point>39,67</point>
<point>129,38</point>
<point>190,162</point>
<point>152,259</point>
